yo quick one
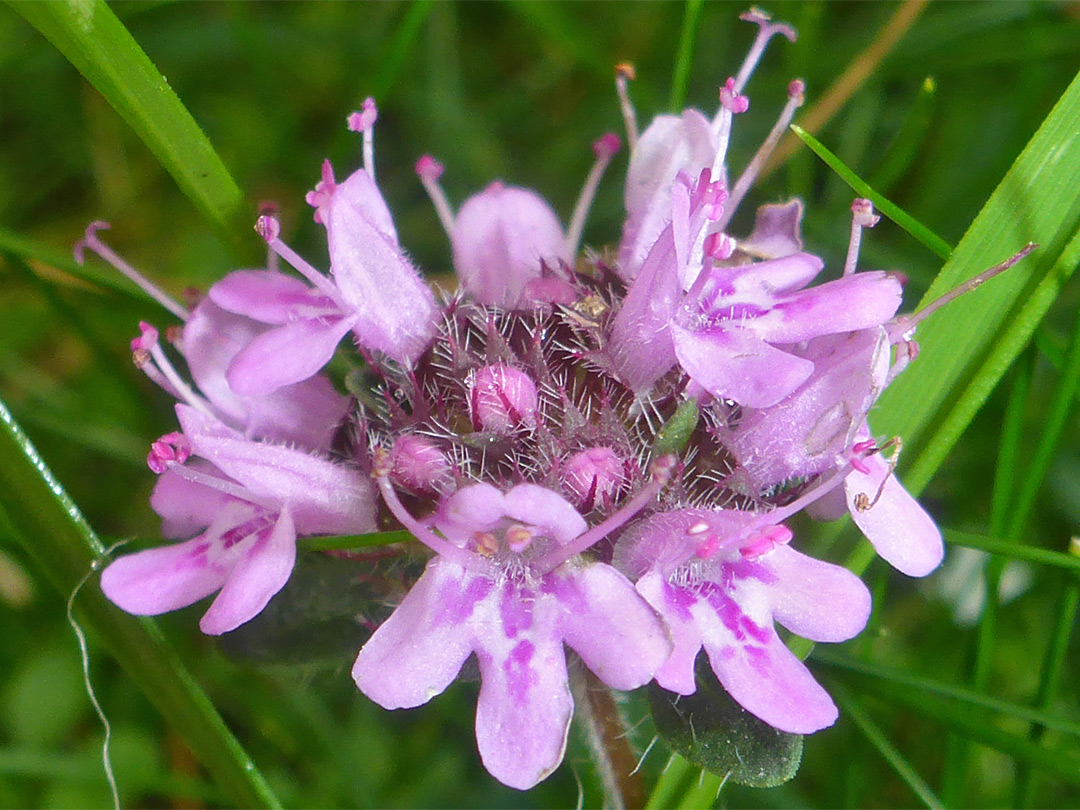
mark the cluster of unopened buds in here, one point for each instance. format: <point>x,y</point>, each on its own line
<point>594,453</point>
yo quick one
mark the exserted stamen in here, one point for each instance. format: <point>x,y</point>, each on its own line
<point>624,74</point>
<point>269,229</point>
<point>429,170</point>
<point>90,240</point>
<point>660,474</point>
<point>229,488</point>
<point>731,104</point>
<point>270,209</point>
<point>363,121</point>
<point>862,216</point>
<point>903,325</point>
<point>796,97</point>
<point>147,344</point>
<point>604,148</point>
<point>381,467</point>
<point>172,447</point>
<point>767,29</point>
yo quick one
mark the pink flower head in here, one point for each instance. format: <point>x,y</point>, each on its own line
<point>245,502</point>
<point>515,618</point>
<point>720,579</point>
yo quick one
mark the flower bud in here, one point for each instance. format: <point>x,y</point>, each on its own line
<point>593,477</point>
<point>417,464</point>
<point>502,399</point>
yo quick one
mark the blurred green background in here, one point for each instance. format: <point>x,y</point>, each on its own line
<point>517,91</point>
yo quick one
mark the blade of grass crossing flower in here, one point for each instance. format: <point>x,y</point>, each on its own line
<point>667,786</point>
<point>57,537</point>
<point>346,542</point>
<point>98,45</point>
<point>900,154</point>
<point>889,752</point>
<point>886,208</point>
<point>965,355</point>
<point>1009,548</point>
<point>684,54</point>
<point>1053,666</point>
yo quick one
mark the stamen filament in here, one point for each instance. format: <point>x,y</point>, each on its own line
<point>862,216</point>
<point>605,148</point>
<point>590,537</point>
<point>268,228</point>
<point>441,546</point>
<point>90,240</point>
<point>766,31</point>
<point>221,485</point>
<point>795,100</point>
<point>177,382</point>
<point>624,73</point>
<point>906,323</point>
<point>429,171</point>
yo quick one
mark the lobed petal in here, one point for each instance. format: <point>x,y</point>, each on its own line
<point>674,605</point>
<point>262,570</point>
<point>419,650</point>
<point>612,628</point>
<point>158,580</point>
<point>859,301</point>
<point>285,355</point>
<point>269,297</point>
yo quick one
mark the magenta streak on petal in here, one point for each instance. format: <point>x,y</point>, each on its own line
<point>680,600</point>
<point>516,609</point>
<point>254,526</point>
<point>519,674</point>
<point>458,606</point>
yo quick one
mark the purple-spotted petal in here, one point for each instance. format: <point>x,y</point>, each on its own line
<point>900,530</point>
<point>734,363</point>
<point>269,297</point>
<point>815,599</point>
<point>767,680</point>
<point>262,570</point>
<point>613,629</point>
<point>858,301</point>
<point>674,606</point>
<point>285,355</point>
<point>524,710</point>
<point>418,651</point>
<point>162,579</point>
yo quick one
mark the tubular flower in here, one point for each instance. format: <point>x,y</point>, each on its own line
<point>593,455</point>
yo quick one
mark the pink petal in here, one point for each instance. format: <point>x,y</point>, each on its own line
<point>900,530</point>
<point>613,629</point>
<point>285,355</point>
<point>524,710</point>
<point>418,651</point>
<point>815,599</point>
<point>768,681</point>
<point>675,607</point>
<point>325,498</point>
<point>858,301</point>
<point>269,297</point>
<point>540,506</point>
<point>162,579</point>
<point>777,231</point>
<point>261,572</point>
<point>501,238</point>
<point>395,311</point>
<point>473,508</point>
<point>305,414</point>
<point>734,363</point>
<point>186,507</point>
<point>362,197</point>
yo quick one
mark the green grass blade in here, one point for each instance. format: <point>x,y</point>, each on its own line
<point>346,542</point>
<point>886,208</point>
<point>964,355</point>
<point>901,153</point>
<point>667,786</point>
<point>57,537</point>
<point>104,52</point>
<point>889,752</point>
<point>967,698</point>
<point>1013,550</point>
<point>684,55</point>
<point>1049,682</point>
<point>399,49</point>
<point>702,793</point>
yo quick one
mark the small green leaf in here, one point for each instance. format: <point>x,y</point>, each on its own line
<point>715,733</point>
<point>676,431</point>
<point>102,50</point>
<point>889,209</point>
